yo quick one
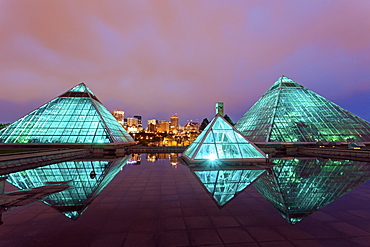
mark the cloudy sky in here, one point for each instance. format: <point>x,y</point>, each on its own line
<point>158,58</point>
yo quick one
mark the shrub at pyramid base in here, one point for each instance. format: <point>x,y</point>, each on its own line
<point>76,116</point>
<point>221,141</point>
<point>289,112</point>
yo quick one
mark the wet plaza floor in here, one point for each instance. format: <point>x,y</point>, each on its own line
<point>159,204</point>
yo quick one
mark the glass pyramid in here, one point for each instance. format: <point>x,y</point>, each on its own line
<point>224,185</point>
<point>86,179</point>
<point>299,187</point>
<point>76,116</point>
<point>221,141</point>
<point>289,112</point>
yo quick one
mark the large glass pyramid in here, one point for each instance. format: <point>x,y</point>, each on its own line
<point>86,178</point>
<point>221,141</point>
<point>299,187</point>
<point>76,116</point>
<point>289,112</point>
<point>224,185</point>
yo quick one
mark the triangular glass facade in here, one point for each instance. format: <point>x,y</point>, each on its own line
<point>76,116</point>
<point>299,187</point>
<point>221,141</point>
<point>289,112</point>
<point>86,180</point>
<point>224,185</point>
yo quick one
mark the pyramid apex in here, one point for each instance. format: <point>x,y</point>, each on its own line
<point>81,87</point>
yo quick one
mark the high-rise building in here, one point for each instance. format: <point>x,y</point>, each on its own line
<point>192,126</point>
<point>163,126</point>
<point>174,123</point>
<point>139,120</point>
<point>289,112</point>
<point>119,116</point>
<point>132,122</point>
<point>76,116</point>
<point>152,125</point>
<point>152,121</point>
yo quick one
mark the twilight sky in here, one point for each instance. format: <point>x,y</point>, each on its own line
<point>158,58</point>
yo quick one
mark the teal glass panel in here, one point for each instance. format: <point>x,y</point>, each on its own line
<point>83,186</point>
<point>70,118</point>
<point>289,112</point>
<point>224,185</point>
<point>207,151</point>
<point>299,187</point>
<point>220,140</point>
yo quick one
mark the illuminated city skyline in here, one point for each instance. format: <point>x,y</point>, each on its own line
<point>157,58</point>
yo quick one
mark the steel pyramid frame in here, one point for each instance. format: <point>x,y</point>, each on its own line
<point>289,112</point>
<point>224,185</point>
<point>300,187</point>
<point>221,141</point>
<point>83,189</point>
<point>77,116</point>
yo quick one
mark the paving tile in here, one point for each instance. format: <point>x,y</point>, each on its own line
<point>291,232</point>
<point>145,225</point>
<point>198,222</point>
<point>173,238</point>
<point>142,239</point>
<point>204,236</point>
<point>172,223</point>
<point>235,235</point>
<point>111,240</point>
<point>347,229</point>
<point>224,221</point>
<point>360,241</point>
<point>264,234</point>
<point>276,244</point>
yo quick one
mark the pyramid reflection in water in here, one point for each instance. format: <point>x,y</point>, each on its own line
<point>77,116</point>
<point>224,185</point>
<point>289,112</point>
<point>87,178</point>
<point>299,187</point>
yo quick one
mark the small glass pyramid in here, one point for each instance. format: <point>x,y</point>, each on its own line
<point>76,116</point>
<point>289,112</point>
<point>83,189</point>
<point>221,141</point>
<point>224,185</point>
<point>300,187</point>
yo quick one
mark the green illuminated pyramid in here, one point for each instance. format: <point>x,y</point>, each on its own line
<point>300,187</point>
<point>289,112</point>
<point>76,116</point>
<point>224,185</point>
<point>86,178</point>
<point>221,141</point>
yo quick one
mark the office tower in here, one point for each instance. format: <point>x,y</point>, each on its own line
<point>139,121</point>
<point>119,116</point>
<point>132,122</point>
<point>174,123</point>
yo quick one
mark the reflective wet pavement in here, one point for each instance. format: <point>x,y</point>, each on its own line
<point>157,204</point>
